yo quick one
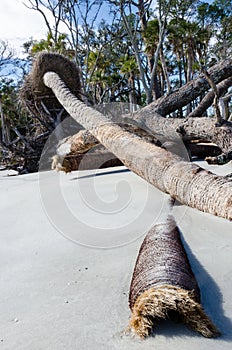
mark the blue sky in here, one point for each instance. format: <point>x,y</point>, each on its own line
<point>18,24</point>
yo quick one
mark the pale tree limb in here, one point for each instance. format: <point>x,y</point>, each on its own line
<point>207,101</point>
<point>190,91</point>
<point>189,128</point>
<point>216,97</point>
<point>184,181</point>
<point>78,144</point>
<point>192,128</point>
<point>69,149</point>
<point>163,131</point>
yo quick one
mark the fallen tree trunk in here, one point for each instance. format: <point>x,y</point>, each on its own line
<point>98,158</point>
<point>163,130</point>
<point>34,93</point>
<point>192,128</point>
<point>207,101</point>
<point>190,91</point>
<point>184,181</point>
<point>163,284</point>
<point>73,149</point>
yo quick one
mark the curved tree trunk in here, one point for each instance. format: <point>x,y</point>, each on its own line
<point>184,181</point>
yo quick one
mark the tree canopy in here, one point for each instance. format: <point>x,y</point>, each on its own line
<point>134,51</point>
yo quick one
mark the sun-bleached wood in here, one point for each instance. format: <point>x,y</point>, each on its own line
<point>184,181</point>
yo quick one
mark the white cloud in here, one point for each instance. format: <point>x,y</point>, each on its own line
<point>18,23</point>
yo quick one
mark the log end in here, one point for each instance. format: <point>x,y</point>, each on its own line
<point>59,163</point>
<point>165,302</point>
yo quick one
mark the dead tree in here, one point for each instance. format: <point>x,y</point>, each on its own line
<point>184,181</point>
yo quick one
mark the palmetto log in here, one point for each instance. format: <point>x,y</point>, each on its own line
<point>166,129</point>
<point>98,158</point>
<point>72,150</point>
<point>186,182</point>
<point>72,145</point>
<point>163,284</point>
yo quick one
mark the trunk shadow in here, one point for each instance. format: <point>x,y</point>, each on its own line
<point>211,296</point>
<point>101,174</point>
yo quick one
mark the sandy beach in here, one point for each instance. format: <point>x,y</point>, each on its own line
<point>68,246</point>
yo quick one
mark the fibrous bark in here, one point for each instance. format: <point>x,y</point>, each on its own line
<point>71,150</point>
<point>163,284</point>
<point>37,97</point>
<point>97,158</point>
<point>186,182</point>
<point>162,129</point>
<point>193,128</point>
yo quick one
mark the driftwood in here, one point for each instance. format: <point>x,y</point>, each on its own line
<point>205,129</point>
<point>72,150</point>
<point>98,158</point>
<point>184,181</point>
<point>190,91</point>
<point>163,284</point>
<point>37,98</point>
<point>165,276</point>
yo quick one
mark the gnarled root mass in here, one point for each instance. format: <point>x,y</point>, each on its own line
<point>163,284</point>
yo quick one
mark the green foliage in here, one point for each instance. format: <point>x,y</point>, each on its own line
<point>99,46</point>
<point>151,36</point>
<point>49,44</point>
<point>15,116</point>
<point>197,33</point>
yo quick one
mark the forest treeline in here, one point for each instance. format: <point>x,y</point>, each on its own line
<point>128,51</point>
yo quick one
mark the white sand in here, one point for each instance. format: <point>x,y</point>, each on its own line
<point>67,251</point>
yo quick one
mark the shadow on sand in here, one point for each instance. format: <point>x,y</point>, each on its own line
<point>119,171</point>
<point>211,296</point>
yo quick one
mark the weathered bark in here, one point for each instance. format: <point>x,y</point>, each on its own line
<point>189,128</point>
<point>163,284</point>
<point>190,91</point>
<point>69,152</point>
<point>158,130</point>
<point>209,97</point>
<point>99,158</point>
<point>186,182</point>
